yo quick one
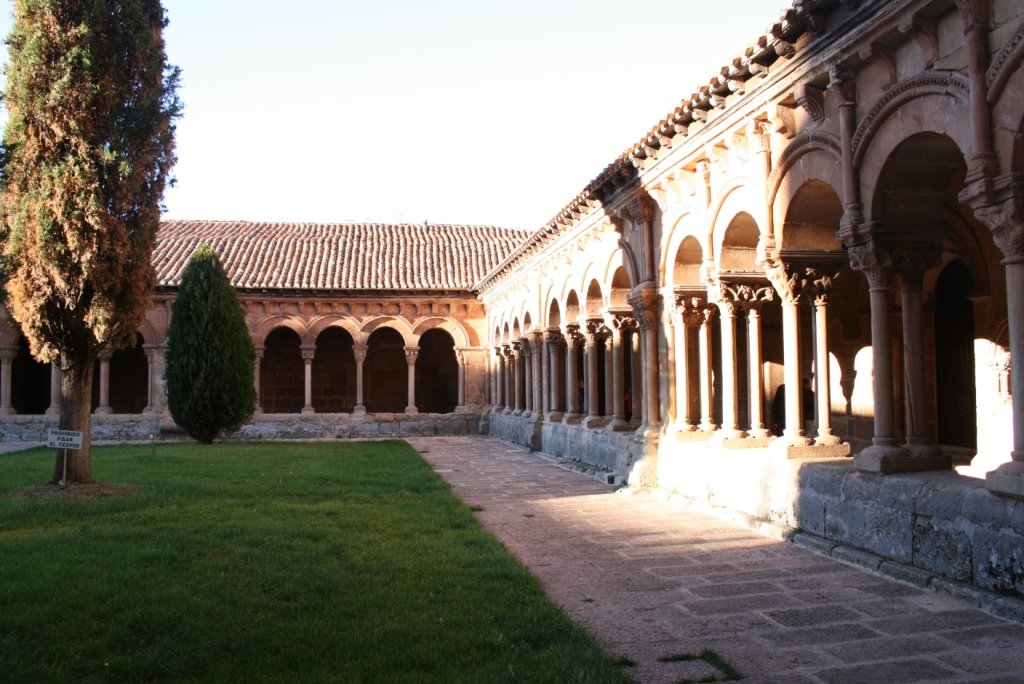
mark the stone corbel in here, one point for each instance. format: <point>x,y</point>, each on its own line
<point>812,100</point>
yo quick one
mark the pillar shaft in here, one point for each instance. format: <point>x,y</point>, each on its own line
<point>360,354</point>
<point>730,393</point>
<point>308,352</point>
<point>707,419</point>
<point>410,359</point>
<point>822,375</point>
<point>756,377</point>
<point>104,404</point>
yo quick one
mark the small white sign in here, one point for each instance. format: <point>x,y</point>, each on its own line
<point>64,439</point>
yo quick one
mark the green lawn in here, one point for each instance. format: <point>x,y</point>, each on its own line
<point>290,562</point>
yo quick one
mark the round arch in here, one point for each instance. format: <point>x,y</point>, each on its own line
<point>811,163</point>
<point>688,225</point>
<point>452,327</point>
<point>344,322</point>
<point>437,372</point>
<point>399,325</point>
<point>267,325</point>
<point>385,371</point>
<point>282,371</point>
<point>738,198</point>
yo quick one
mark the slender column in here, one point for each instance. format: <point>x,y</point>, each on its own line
<point>103,408</point>
<point>822,382</point>
<point>618,326</point>
<point>876,264</point>
<point>554,400</point>
<point>6,359</point>
<point>609,374</point>
<point>359,351</point>
<point>975,15</point>
<point>730,393</point>
<point>410,359</point>
<point>536,361</point>
<point>54,409</point>
<point>545,376</point>
<point>527,364</point>
<point>645,311</point>
<point>756,360</point>
<point>636,379</point>
<point>308,352</point>
<point>595,329</point>
<point>499,385</point>
<point>1006,221</point>
<point>844,83</point>
<point>572,395</point>
<point>790,284</point>
<point>460,358</point>
<point>707,388</point>
<point>517,378</point>
<point>681,370</point>
<point>509,378</point>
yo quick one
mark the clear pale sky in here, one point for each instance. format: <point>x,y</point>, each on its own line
<point>451,111</point>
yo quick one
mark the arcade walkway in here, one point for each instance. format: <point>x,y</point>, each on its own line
<point>652,579</point>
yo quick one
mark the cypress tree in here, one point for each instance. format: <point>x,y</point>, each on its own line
<point>210,354</point>
<point>87,152</point>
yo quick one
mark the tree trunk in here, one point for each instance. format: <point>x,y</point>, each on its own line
<point>75,414</point>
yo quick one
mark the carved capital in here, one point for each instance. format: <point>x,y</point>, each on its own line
<point>645,309</point>
<point>818,285</point>
<point>621,323</point>
<point>572,335</point>
<point>789,282</point>
<point>554,337</point>
<point>974,14</point>
<point>843,82</point>
<point>1006,221</point>
<point>596,330</point>
<point>812,101</point>
<point>308,351</point>
<point>874,261</point>
<point>410,355</point>
<point>911,260</point>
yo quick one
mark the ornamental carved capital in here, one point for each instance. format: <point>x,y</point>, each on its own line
<point>572,335</point>
<point>874,261</point>
<point>410,355</point>
<point>974,14</point>
<point>1006,221</point>
<point>596,329</point>
<point>911,260</point>
<point>843,82</point>
<point>788,281</point>
<point>818,285</point>
<point>645,310</point>
<point>620,323</point>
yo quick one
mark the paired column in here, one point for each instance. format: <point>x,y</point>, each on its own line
<point>499,379</point>
<point>789,284</point>
<point>572,382</point>
<point>555,343</point>
<point>410,359</point>
<point>155,374</point>
<point>883,455</point>
<point>756,359</point>
<point>707,388</point>
<point>55,373</point>
<point>526,361</point>
<point>460,358</point>
<point>619,326</point>
<point>730,396</point>
<point>536,362</point>
<point>645,311</point>
<point>594,339</point>
<point>308,352</point>
<point>516,351</point>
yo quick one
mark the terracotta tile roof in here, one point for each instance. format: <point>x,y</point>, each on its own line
<point>337,256</point>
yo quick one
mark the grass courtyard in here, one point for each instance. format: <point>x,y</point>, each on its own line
<point>311,562</point>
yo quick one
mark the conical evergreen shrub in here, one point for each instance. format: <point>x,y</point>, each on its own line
<point>210,355</point>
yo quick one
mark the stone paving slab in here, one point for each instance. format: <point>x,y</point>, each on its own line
<point>652,579</point>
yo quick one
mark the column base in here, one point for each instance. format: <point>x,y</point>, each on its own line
<point>707,427</point>
<point>7,411</point>
<point>102,411</point>
<point>828,439</point>
<point>573,418</point>
<point>759,433</point>
<point>619,424</point>
<point>885,459</point>
<point>595,421</point>
<point>458,409</point>
<point>52,411</point>
<point>554,417</point>
<point>307,411</point>
<point>359,410</point>
<point>411,410</point>
<point>731,433</point>
<point>1008,478</point>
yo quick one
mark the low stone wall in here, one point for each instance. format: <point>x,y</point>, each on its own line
<point>116,427</point>
<point>596,451</point>
<point>936,529</point>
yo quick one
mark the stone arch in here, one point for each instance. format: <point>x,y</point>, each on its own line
<point>386,370</point>
<point>594,301</point>
<point>737,250</point>
<point>688,226</point>
<point>739,197</point>
<point>399,325</point>
<point>554,314</point>
<point>344,322</point>
<point>452,327</point>
<point>282,370</point>
<point>688,263</point>
<point>621,285</point>
<point>921,176</point>
<point>129,378</point>
<point>624,257</point>
<point>267,325</point>
<point>149,333</point>
<point>333,381</point>
<point>572,308</point>
<point>933,102</point>
<point>811,221</point>
<point>437,372</point>
<point>813,163</point>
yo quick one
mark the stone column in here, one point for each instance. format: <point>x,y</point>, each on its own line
<point>730,395</point>
<point>460,358</point>
<point>103,408</point>
<point>554,368</point>
<point>843,82</point>
<point>572,394</point>
<point>609,374</point>
<point>595,330</point>
<point>823,385</point>
<point>645,311</point>
<point>359,351</point>
<point>499,384</point>
<point>517,378</point>
<point>257,368</point>
<point>1005,219</point>
<point>527,363</point>
<point>54,408</point>
<point>636,380</point>
<point>508,380</point>
<point>883,456</point>
<point>688,318</point>
<point>545,376</point>
<point>926,456</point>
<point>757,297</point>
<point>789,284</point>
<point>308,352</point>
<point>619,325</point>
<point>707,387</point>
<point>536,361</point>
<point>410,359</point>
<point>6,359</point>
<point>975,16</point>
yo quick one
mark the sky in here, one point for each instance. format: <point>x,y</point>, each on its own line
<point>450,111</point>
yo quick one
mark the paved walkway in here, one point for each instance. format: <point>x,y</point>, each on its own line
<point>651,579</point>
